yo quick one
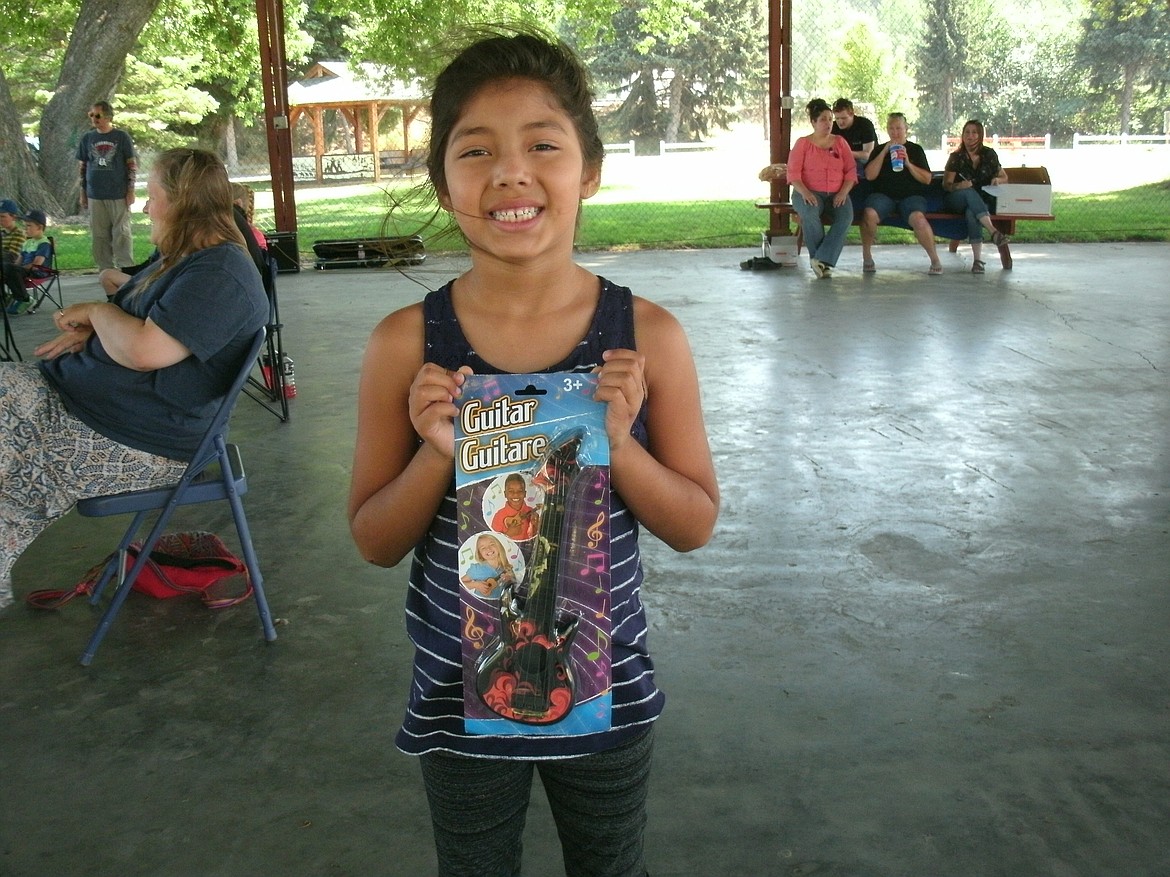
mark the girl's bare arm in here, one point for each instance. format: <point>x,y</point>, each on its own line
<point>670,486</point>
<point>403,458</point>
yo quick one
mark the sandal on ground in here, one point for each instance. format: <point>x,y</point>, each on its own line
<point>935,269</point>
<point>999,238</point>
<point>868,267</point>
<point>976,267</point>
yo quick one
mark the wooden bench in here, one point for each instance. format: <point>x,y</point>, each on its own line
<point>952,226</point>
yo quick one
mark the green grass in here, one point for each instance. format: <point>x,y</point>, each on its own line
<point>1137,214</point>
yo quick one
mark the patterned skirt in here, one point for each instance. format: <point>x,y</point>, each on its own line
<point>49,460</point>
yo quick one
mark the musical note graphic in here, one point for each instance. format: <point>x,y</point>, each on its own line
<point>473,630</point>
<point>594,562</point>
<point>595,533</point>
<point>601,613</point>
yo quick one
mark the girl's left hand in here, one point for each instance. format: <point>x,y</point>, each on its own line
<point>622,386</point>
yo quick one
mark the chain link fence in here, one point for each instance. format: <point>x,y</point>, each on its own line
<point>940,62</point>
<point>708,198</point>
<point>659,195</point>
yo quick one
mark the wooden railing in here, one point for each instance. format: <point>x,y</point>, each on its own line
<point>996,142</point>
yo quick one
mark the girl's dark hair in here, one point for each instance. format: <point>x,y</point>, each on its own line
<point>497,56</point>
<point>816,106</point>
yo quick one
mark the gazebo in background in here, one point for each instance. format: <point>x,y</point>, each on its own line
<point>362,93</point>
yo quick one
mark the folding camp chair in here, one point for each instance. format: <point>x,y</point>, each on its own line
<point>48,284</point>
<point>271,389</point>
<point>215,472</point>
<point>9,352</point>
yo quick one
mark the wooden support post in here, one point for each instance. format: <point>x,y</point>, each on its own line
<point>779,102</point>
<point>270,24</point>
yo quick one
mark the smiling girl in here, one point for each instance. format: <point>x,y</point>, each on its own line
<point>514,152</point>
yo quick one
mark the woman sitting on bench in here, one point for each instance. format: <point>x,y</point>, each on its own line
<point>821,171</point>
<point>969,168</point>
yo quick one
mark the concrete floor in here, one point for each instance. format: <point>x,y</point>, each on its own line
<point>929,636</point>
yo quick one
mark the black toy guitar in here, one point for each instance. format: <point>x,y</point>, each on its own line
<point>527,677</point>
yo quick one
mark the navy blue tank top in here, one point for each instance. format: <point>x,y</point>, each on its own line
<point>434,712</point>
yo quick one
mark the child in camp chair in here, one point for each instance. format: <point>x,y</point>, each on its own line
<point>35,256</point>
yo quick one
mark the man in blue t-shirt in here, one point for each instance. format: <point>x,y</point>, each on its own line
<point>108,169</point>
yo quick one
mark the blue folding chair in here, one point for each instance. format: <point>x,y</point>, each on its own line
<point>216,472</point>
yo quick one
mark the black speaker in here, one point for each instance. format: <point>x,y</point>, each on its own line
<point>283,246</point>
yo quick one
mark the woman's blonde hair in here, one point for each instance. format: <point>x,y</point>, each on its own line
<point>200,206</point>
<point>246,198</point>
<point>505,563</point>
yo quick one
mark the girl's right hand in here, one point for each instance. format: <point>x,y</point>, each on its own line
<point>432,405</point>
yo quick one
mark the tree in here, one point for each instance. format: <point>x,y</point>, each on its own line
<point>196,73</point>
<point>47,30</point>
<point>680,76</point>
<point>942,61</point>
<point>869,69</point>
<point>18,172</point>
<point>1127,43</point>
<point>1028,80</point>
<point>103,35</point>
<point>177,71</point>
<point>414,38</point>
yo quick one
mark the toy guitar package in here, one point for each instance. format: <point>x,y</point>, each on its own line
<point>532,486</point>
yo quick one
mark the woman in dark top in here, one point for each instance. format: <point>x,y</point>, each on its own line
<point>969,169</point>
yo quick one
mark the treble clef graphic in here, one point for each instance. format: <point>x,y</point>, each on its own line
<point>472,630</point>
<point>595,532</point>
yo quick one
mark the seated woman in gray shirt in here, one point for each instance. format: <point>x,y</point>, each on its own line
<point>123,395</point>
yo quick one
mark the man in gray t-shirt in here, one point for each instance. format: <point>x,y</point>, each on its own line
<point>108,170</point>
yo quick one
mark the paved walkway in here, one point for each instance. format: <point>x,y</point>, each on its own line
<point>928,637</point>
